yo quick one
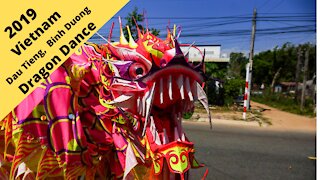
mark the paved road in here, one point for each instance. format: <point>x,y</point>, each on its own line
<point>240,152</point>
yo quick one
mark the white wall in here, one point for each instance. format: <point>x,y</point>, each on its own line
<point>212,53</point>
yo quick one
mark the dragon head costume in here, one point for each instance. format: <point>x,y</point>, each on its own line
<point>111,111</point>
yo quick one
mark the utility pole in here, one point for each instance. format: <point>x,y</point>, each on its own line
<point>305,76</point>
<point>253,35</point>
<point>298,68</point>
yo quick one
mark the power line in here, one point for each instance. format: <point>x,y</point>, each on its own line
<point>222,29</point>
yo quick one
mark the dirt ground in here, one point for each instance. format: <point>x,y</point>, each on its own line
<point>286,121</point>
<point>264,116</point>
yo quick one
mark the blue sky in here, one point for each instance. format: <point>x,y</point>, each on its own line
<point>228,22</point>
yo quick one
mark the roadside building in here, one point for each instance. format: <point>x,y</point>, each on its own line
<point>213,53</point>
<point>290,87</point>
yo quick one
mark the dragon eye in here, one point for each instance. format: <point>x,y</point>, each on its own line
<point>137,70</point>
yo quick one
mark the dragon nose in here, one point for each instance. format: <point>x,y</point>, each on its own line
<point>163,63</point>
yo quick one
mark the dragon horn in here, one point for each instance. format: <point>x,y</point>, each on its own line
<point>145,20</point>
<point>179,32</point>
<point>138,29</point>
<point>132,43</point>
<point>174,30</point>
<point>110,32</point>
<point>123,40</point>
<point>169,36</point>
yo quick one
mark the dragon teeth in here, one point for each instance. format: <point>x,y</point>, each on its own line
<point>194,90</point>
<point>143,107</point>
<point>148,98</point>
<point>176,134</point>
<point>180,86</point>
<point>165,138</point>
<point>120,99</point>
<point>139,106</point>
<point>187,83</point>
<point>170,87</point>
<point>179,123</point>
<point>183,137</point>
<point>161,91</point>
<point>154,131</point>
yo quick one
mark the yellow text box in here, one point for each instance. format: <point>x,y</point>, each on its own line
<point>36,32</point>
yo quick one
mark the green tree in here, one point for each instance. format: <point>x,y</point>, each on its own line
<point>139,19</point>
<point>312,59</point>
<point>237,65</point>
<point>283,60</point>
<point>216,70</point>
<point>232,89</point>
<point>262,68</point>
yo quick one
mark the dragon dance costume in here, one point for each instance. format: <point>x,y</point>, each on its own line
<point>111,111</point>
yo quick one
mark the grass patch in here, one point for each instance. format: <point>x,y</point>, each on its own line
<point>286,103</point>
<point>215,109</point>
<point>256,115</point>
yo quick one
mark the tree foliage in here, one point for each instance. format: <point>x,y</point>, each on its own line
<point>237,65</point>
<point>216,70</point>
<point>267,63</point>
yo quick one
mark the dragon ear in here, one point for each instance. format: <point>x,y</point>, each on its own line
<point>201,66</point>
<point>177,47</point>
<point>132,43</point>
<point>122,40</point>
<point>189,47</point>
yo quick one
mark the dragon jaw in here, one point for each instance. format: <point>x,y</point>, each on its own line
<point>164,94</point>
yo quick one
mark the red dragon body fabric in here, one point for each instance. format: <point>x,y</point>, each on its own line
<point>111,111</point>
